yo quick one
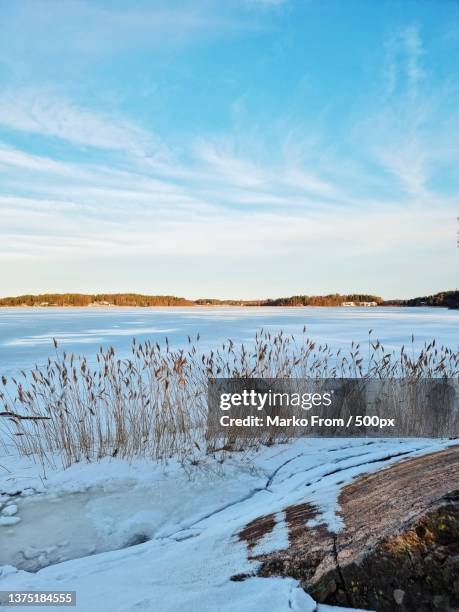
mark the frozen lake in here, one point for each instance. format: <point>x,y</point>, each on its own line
<point>26,333</point>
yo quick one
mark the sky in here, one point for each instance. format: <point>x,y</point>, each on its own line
<point>238,149</point>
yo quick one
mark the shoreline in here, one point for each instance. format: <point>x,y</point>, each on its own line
<point>444,299</point>
<point>214,307</point>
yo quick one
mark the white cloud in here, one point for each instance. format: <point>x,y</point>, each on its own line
<point>414,51</point>
<point>236,170</point>
<point>408,162</point>
<point>47,115</point>
<point>15,158</point>
<point>246,193</point>
<point>308,181</point>
<point>403,67</point>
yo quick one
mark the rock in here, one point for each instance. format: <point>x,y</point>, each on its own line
<point>398,596</point>
<point>440,603</point>
<point>399,542</point>
<point>441,554</point>
<point>327,588</point>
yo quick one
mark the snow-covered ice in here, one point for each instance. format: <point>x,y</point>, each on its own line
<point>10,510</point>
<point>137,535</point>
<point>26,334</point>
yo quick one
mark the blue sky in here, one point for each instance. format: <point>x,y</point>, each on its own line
<point>243,149</point>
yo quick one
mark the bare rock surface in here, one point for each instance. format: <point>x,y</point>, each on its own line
<point>398,548</point>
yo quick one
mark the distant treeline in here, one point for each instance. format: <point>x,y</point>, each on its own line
<point>448,299</point>
<point>134,299</point>
<point>333,299</point>
<point>83,299</point>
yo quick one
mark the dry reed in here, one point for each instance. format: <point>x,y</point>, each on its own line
<point>154,404</point>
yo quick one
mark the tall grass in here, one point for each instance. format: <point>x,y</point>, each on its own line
<point>154,403</point>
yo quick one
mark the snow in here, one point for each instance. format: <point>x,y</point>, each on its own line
<point>26,334</point>
<point>138,535</point>
<point>6,521</point>
<point>10,510</point>
<point>277,539</point>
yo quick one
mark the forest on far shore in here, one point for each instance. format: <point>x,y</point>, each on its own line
<point>447,299</point>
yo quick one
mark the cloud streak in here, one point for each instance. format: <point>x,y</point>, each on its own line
<point>45,115</point>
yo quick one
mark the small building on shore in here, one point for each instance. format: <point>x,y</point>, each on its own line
<point>361,304</point>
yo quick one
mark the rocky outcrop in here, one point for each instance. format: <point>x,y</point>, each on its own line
<point>398,548</point>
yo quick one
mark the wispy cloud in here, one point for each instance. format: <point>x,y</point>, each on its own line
<point>278,184</point>
<point>404,54</point>
<point>47,115</point>
<point>414,51</point>
<point>406,130</point>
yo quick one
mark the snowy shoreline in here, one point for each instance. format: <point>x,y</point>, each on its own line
<point>81,528</point>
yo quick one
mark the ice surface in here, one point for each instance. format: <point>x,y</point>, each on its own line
<point>141,536</point>
<point>26,333</point>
